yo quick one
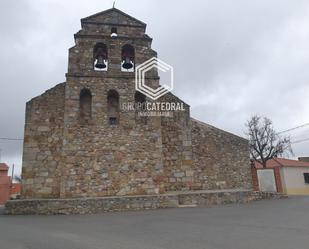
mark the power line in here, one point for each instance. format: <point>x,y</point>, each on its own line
<point>300,141</point>
<point>11,139</point>
<point>294,128</point>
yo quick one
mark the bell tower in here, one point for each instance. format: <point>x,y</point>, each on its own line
<point>108,145</point>
<point>108,48</point>
<point>110,43</point>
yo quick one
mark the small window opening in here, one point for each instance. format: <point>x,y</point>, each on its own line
<point>112,121</point>
<point>306,176</point>
<point>113,107</point>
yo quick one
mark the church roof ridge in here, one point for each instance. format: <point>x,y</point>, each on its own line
<point>104,12</point>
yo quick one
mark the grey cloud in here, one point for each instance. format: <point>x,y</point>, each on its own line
<point>231,58</point>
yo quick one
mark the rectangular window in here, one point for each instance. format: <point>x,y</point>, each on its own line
<point>306,176</point>
<point>112,121</point>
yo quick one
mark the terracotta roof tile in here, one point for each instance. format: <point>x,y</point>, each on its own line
<point>3,166</point>
<point>282,162</point>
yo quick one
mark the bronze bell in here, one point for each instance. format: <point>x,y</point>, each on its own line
<point>100,62</point>
<point>127,63</point>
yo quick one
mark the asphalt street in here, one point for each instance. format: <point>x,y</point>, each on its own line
<point>271,224</point>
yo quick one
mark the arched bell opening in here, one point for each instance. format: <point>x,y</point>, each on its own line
<point>114,32</point>
<point>127,58</point>
<point>100,62</point>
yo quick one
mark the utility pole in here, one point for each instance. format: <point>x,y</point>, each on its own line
<point>13,168</point>
<point>0,154</point>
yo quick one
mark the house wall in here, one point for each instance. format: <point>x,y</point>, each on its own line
<point>278,179</point>
<point>293,180</point>
<point>5,183</point>
<point>255,180</point>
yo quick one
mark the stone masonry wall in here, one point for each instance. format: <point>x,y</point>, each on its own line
<point>102,159</point>
<point>177,148</point>
<point>125,203</point>
<point>43,144</point>
<point>221,159</point>
<point>65,157</point>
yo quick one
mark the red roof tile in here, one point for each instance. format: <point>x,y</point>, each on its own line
<point>3,166</point>
<point>282,162</point>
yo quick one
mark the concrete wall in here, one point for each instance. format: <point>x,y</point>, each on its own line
<point>266,179</point>
<point>293,180</point>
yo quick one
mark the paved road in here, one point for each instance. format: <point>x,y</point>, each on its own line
<point>1,209</point>
<point>277,224</point>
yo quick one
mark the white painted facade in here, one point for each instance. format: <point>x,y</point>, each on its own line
<point>293,181</point>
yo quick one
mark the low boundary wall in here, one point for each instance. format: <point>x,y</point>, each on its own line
<point>125,203</point>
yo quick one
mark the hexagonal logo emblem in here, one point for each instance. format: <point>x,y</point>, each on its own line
<point>150,92</point>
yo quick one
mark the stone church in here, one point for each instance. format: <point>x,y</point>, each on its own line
<point>80,142</point>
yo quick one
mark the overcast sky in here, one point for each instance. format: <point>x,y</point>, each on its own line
<point>231,59</point>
